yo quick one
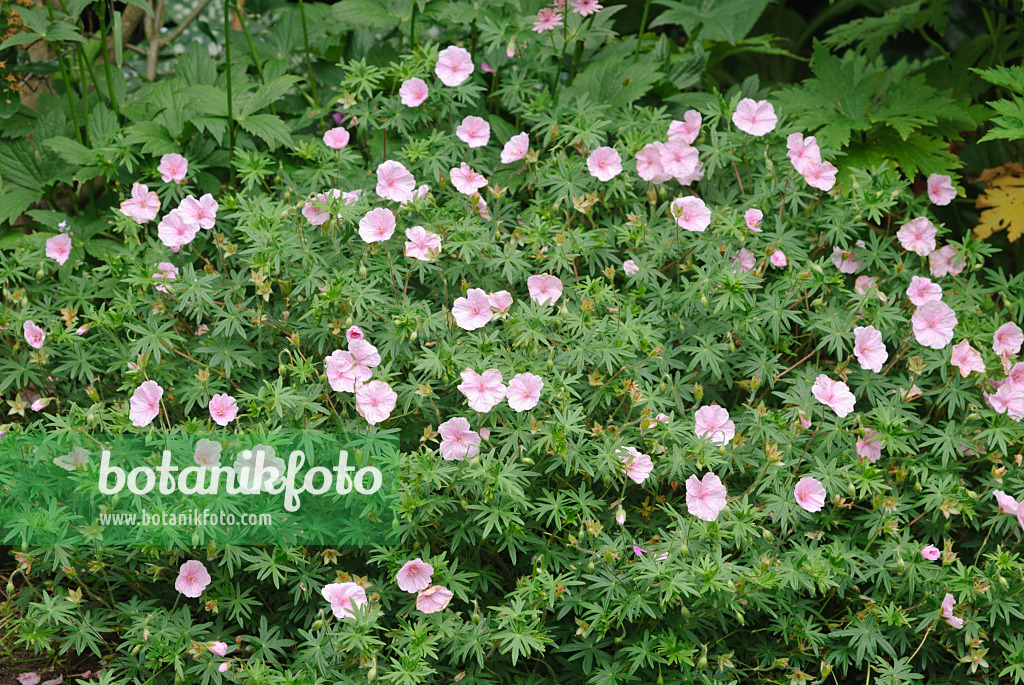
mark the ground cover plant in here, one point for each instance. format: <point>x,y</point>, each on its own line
<point>692,383</point>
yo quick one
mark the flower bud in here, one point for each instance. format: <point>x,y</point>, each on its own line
<point>362,270</point>
<point>590,567</point>
<point>413,336</point>
<point>698,392</point>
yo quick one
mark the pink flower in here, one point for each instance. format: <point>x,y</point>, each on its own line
<point>421,244</point>
<point>1007,504</point>
<point>713,423</point>
<point>604,163</point>
<point>457,443</point>
<point>918,236</point>
<point>620,516</point>
<point>679,159</point>
<point>344,598</point>
<point>375,401</point>
<point>1009,400</point>
<point>686,130</point>
<point>863,284</point>
<point>414,575</point>
<point>145,403</point>
<point>454,65</point>
<point>472,311</point>
<point>802,151</point>
<point>336,138</point>
<point>640,551</point>
<point>223,667</point>
<point>869,348</point>
<point>547,19</point>
<point>173,168</point>
<point>778,259</point>
<point>500,301</point>
<point>870,446</point>
<point>167,272</point>
<point>58,248</point>
<point>516,148</point>
<point>752,218</point>
<point>705,498</point>
<point>967,359</point>
<point>394,182</point>
<point>474,131</point>
<point>1015,377</point>
<point>648,163</point>
<point>202,212</point>
<point>35,336</point>
<point>835,395</point>
<point>316,211</point>
<point>745,259</point>
<point>930,553</point>
<point>192,578</point>
<point>377,225</point>
<point>363,353</point>
<point>923,290</point>
<point>845,260</point>
<point>691,213</point>
<point>630,267</point>
<point>343,373</point>
<point>820,175</point>
<point>544,288</point>
<point>1020,515</point>
<point>933,324</point>
<point>433,599</point>
<point>82,330</point>
<point>223,409</point>
<point>219,648</point>
<point>940,189</point>
<point>947,612</point>
<point>810,494</point>
<point>635,464</point>
<point>207,453</point>
<point>175,230</point>
<point>1008,339</point>
<point>484,391</point>
<point>30,678</point>
<point>945,261</point>
<point>467,181</point>
<point>413,92</point>
<point>143,205</point>
<point>524,391</point>
<point>354,333</point>
<point>585,7</point>
<point>755,118</point>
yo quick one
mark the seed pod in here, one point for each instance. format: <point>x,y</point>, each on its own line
<point>413,336</point>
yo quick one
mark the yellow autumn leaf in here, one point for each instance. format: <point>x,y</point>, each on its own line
<point>1004,197</point>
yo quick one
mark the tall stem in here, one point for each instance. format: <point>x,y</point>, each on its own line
<point>67,85</point>
<point>305,44</point>
<point>640,33</point>
<point>105,30</point>
<point>231,117</point>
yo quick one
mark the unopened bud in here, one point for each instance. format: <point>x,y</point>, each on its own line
<point>698,392</point>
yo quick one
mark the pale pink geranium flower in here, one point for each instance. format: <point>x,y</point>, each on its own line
<point>30,678</point>
<point>547,20</point>
<point>467,181</point>
<point>474,131</point>
<point>630,267</point>
<point>394,182</point>
<point>933,324</point>
<point>377,225</point>
<point>1008,339</point>
<point>923,290</point>
<point>472,311</point>
<point>810,494</point>
<point>778,259</point>
<point>414,575</point>
<point>58,248</point>
<point>354,333</point>
<point>870,446</point>
<point>1015,376</point>
<point>865,283</point>
<point>918,236</point>
<point>202,212</point>
<point>967,359</point>
<point>1008,399</point>
<point>635,464</point>
<point>413,92</point>
<point>458,441</point>
<point>375,401</point>
<point>752,218</point>
<point>947,612</point>
<point>713,422</point>
<point>207,453</point>
<point>756,118</point>
<point>143,205</point>
<point>363,353</point>
<point>454,65</point>
<point>35,336</point>
<point>524,391</point>
<point>835,395</point>
<point>173,168</point>
<point>343,373</point>
<point>316,210</point>
<point>705,498</point>
<point>802,151</point>
<point>337,138</point>
<point>648,163</point>
<point>344,598</point>
<point>483,390</point>
<point>1020,515</point>
<point>846,260</point>
<point>422,244</point>
<point>219,648</point>
<point>691,213</point>
<point>604,163</point>
<point>192,578</point>
<point>544,288</point>
<point>745,259</point>
<point>679,159</point>
<point>869,348</point>
<point>585,7</point>
<point>145,403</point>
<point>435,598</point>
<point>686,130</point>
<point>1007,504</point>
<point>500,301</point>
<point>167,272</point>
<point>945,261</point>
<point>223,409</point>
<point>820,175</point>
<point>516,148</point>
<point>930,553</point>
<point>940,189</point>
<point>175,230</point>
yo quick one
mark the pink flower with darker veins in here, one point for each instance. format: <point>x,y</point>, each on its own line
<point>679,159</point>
<point>375,401</point>
<point>175,230</point>
<point>870,446</point>
<point>143,206</point>
<point>524,391</point>
<point>752,218</point>
<point>219,648</point>
<point>648,163</point>
<point>30,678</point>
<point>422,244</point>
<point>686,130</point>
<point>343,373</point>
<point>547,20</point>
<point>635,464</point>
<point>454,65</point>
<point>1015,376</point>
<point>835,395</point>
<point>472,311</point>
<point>863,284</point>
<point>930,553</point>
<point>705,498</point>
<point>394,182</point>
<point>869,348</point>
<point>933,324</point>
<point>778,259</point>
<point>467,181</point>
<point>585,7</point>
<point>820,175</point>
<point>316,210</point>
<point>918,236</point>
<point>516,148</point>
<point>354,333</point>
<point>755,118</point>
<point>923,290</point>
<point>167,272</point>
<point>802,151</point>
<point>544,288</point>
<point>713,422</point>
<point>1008,339</point>
<point>58,248</point>
<point>34,335</point>
<point>745,259</point>
<point>413,92</point>
<point>947,612</point>
<point>945,261</point>
<point>192,579</point>
<point>604,163</point>
<point>337,138</point>
<point>202,212</point>
<point>173,168</point>
<point>483,390</point>
<point>967,359</point>
<point>845,260</point>
<point>691,213</point>
<point>223,409</point>
<point>940,189</point>
<point>414,575</point>
<point>810,494</point>
<point>474,131</point>
<point>145,403</point>
<point>223,668</point>
<point>363,353</point>
<point>1009,400</point>
<point>1007,504</point>
<point>344,598</point>
<point>630,267</point>
<point>458,441</point>
<point>377,225</point>
<point>500,301</point>
<point>435,598</point>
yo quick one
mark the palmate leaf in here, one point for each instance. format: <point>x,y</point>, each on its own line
<point>728,20</point>
<point>269,128</point>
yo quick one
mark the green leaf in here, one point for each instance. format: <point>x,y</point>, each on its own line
<point>267,127</point>
<point>118,40</point>
<point>62,30</point>
<point>728,20</point>
<point>1004,77</point>
<point>14,201</point>
<point>71,151</point>
<point>366,14</point>
<point>143,5</point>
<point>266,94</point>
<point>21,39</point>
<point>1009,125</point>
<point>196,67</point>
